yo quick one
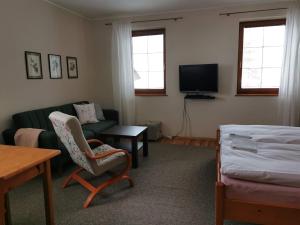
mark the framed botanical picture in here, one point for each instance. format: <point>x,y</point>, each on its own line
<point>55,69</point>
<point>72,67</point>
<point>33,62</point>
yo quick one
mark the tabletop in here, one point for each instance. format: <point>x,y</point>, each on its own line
<point>16,159</point>
<point>125,131</point>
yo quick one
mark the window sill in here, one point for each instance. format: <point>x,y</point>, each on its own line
<point>244,94</point>
<point>151,94</point>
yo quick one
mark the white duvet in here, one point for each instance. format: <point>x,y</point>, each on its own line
<point>260,153</point>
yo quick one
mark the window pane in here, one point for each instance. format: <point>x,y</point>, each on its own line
<point>251,78</point>
<point>155,44</point>
<point>272,56</point>
<point>156,62</point>
<point>156,80</point>
<point>142,82</point>
<point>262,56</point>
<point>148,60</point>
<point>274,35</point>
<point>140,62</point>
<point>139,44</point>
<point>252,58</point>
<point>253,37</point>
<point>271,77</point>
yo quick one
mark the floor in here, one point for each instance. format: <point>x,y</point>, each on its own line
<point>173,186</point>
<point>198,142</point>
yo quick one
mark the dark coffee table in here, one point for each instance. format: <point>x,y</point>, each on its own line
<point>131,133</point>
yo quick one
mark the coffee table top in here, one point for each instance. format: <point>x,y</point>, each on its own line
<point>124,131</point>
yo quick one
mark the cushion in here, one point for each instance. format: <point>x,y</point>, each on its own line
<point>86,113</point>
<point>99,112</point>
<point>109,163</point>
<point>97,128</point>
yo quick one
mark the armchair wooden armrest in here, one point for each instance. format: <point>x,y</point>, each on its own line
<point>105,154</point>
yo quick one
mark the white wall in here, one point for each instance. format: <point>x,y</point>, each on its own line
<point>201,37</point>
<point>35,25</point>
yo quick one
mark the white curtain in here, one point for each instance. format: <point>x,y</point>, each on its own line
<point>289,92</point>
<point>122,72</point>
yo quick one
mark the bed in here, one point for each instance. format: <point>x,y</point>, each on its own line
<point>271,197</point>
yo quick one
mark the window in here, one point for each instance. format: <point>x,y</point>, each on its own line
<point>149,62</point>
<point>260,57</point>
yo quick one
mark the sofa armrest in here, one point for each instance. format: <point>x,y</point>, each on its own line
<point>9,136</point>
<point>48,139</point>
<point>111,114</point>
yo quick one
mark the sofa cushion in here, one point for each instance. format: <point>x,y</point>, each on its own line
<point>86,113</point>
<point>39,118</point>
<point>97,128</point>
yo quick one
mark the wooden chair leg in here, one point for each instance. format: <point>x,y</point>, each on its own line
<point>104,185</point>
<point>126,177</point>
<point>123,175</point>
<point>71,177</point>
<point>89,199</point>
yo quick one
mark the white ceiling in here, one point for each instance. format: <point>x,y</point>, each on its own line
<point>96,9</point>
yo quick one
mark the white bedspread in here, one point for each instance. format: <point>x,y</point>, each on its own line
<point>266,154</point>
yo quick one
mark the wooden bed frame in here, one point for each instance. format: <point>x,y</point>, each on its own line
<point>251,212</point>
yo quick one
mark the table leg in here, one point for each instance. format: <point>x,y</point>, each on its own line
<point>145,143</point>
<point>47,182</point>
<point>2,207</point>
<point>7,208</point>
<point>135,162</point>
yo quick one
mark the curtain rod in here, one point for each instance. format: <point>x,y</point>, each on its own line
<point>250,11</point>
<point>154,20</point>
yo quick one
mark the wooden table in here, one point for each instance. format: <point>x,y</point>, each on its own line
<point>19,165</point>
<point>132,133</point>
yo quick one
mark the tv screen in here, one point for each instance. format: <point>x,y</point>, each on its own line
<point>198,78</point>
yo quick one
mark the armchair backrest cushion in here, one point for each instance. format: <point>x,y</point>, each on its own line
<point>68,129</point>
<point>39,118</point>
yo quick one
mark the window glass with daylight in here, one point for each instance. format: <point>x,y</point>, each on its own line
<point>260,57</point>
<point>148,47</point>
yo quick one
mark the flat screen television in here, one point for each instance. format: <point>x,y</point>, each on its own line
<point>198,78</point>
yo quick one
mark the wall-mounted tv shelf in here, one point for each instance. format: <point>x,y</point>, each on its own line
<point>197,96</point>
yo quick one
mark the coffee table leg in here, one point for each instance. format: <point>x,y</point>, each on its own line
<point>47,182</point>
<point>135,161</point>
<point>145,143</point>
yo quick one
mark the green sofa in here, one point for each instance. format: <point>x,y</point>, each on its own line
<point>48,139</point>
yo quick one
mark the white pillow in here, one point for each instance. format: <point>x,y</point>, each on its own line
<point>99,112</point>
<point>86,113</point>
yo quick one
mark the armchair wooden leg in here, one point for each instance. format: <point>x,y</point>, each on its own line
<point>71,177</point>
<point>126,177</point>
<point>123,175</point>
<point>104,185</point>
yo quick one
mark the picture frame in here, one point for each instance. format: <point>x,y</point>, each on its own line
<point>33,61</point>
<point>55,67</point>
<point>72,67</point>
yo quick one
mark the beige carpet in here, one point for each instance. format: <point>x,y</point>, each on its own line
<point>173,186</point>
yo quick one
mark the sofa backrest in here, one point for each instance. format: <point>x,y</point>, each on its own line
<point>39,118</point>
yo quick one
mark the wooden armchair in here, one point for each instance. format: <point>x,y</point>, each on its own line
<point>96,161</point>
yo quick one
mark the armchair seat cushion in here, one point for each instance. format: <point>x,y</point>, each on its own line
<point>97,128</point>
<point>108,163</point>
